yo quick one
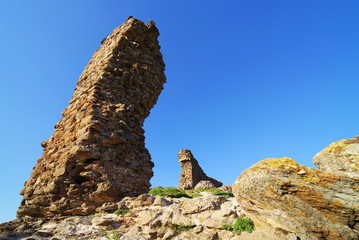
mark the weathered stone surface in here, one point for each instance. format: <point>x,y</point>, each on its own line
<point>97,153</point>
<point>192,173</point>
<point>226,188</point>
<point>146,219</point>
<point>291,201</point>
<point>341,157</point>
<point>204,184</point>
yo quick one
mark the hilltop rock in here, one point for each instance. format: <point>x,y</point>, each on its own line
<point>192,173</point>
<point>290,201</point>
<point>97,152</point>
<point>341,157</point>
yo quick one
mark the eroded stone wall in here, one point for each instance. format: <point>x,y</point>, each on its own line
<point>192,173</point>
<point>97,153</point>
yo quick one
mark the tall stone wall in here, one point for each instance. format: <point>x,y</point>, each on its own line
<point>97,153</point>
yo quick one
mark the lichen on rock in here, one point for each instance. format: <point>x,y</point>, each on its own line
<point>341,157</point>
<point>290,200</point>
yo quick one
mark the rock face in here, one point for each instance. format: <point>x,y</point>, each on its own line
<point>296,202</point>
<point>192,173</point>
<point>97,153</point>
<point>341,157</point>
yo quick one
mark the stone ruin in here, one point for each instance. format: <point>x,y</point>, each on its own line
<point>192,174</point>
<point>97,152</point>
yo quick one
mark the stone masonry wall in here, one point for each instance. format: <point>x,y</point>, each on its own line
<point>192,173</point>
<point>97,152</point>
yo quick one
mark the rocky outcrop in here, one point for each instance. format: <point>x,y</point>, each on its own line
<point>192,173</point>
<point>340,157</point>
<point>143,217</point>
<point>290,201</point>
<point>97,152</point>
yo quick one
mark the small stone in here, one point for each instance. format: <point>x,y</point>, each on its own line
<point>160,201</point>
<point>205,184</point>
<point>169,234</point>
<point>108,207</point>
<point>198,229</point>
<point>105,220</point>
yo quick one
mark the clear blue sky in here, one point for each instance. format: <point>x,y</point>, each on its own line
<point>246,80</point>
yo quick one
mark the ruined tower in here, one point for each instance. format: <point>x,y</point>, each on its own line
<point>192,173</point>
<point>97,152</point>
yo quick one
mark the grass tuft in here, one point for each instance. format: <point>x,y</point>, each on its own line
<point>181,226</point>
<point>241,224</point>
<point>169,192</point>
<point>121,211</point>
<point>115,234</point>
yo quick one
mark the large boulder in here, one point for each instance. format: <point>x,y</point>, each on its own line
<point>291,201</point>
<point>341,157</point>
<point>192,173</point>
<point>97,152</point>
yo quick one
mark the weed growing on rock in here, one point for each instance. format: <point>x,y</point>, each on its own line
<point>181,226</point>
<point>115,234</point>
<point>195,195</point>
<point>121,211</point>
<point>241,224</point>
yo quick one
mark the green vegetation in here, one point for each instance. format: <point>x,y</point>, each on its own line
<point>216,192</point>
<point>177,193</point>
<point>241,224</point>
<point>195,195</point>
<point>115,234</point>
<point>181,226</point>
<point>121,211</point>
<point>169,192</point>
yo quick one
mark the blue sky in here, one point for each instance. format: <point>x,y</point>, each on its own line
<point>246,80</point>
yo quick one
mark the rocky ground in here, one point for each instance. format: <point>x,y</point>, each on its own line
<point>144,217</point>
<point>96,162</point>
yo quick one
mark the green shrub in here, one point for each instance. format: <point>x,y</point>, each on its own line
<point>241,224</point>
<point>169,192</point>
<point>121,211</point>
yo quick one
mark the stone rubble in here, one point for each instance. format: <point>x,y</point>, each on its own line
<point>148,217</point>
<point>97,153</point>
<point>192,174</point>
